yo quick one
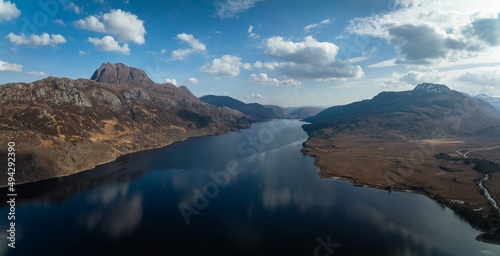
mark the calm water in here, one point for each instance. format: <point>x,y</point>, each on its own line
<point>248,193</point>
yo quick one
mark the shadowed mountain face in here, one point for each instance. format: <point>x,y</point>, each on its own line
<point>61,126</point>
<point>256,110</point>
<point>417,113</point>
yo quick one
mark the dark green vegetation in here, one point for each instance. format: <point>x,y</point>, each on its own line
<point>62,126</point>
<point>486,222</point>
<point>480,165</point>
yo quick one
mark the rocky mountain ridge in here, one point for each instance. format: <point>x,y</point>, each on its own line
<point>62,126</point>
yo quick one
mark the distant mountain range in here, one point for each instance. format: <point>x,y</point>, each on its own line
<point>417,113</point>
<point>61,126</point>
<point>494,101</point>
<point>261,112</point>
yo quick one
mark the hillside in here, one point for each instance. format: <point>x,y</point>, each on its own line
<point>256,110</point>
<point>418,114</point>
<point>62,126</point>
<point>390,142</point>
<point>261,112</point>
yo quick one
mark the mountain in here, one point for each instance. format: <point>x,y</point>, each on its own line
<point>391,142</point>
<point>494,101</point>
<point>256,110</point>
<point>304,112</point>
<point>294,112</point>
<point>261,112</point>
<point>62,126</point>
<point>416,113</point>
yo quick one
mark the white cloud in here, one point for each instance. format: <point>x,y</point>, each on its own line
<point>263,79</point>
<point>36,40</point>
<point>8,67</point>
<point>251,34</point>
<point>310,59</point>
<point>108,43</point>
<point>383,64</point>
<point>230,8</point>
<point>36,74</point>
<point>257,96</point>
<point>412,78</point>
<point>124,25</point>
<point>171,81</point>
<point>357,59</point>
<point>192,80</point>
<point>163,51</point>
<point>180,54</point>
<point>73,7</point>
<point>196,46</point>
<point>60,22</point>
<point>80,52</point>
<point>227,65</point>
<point>193,42</point>
<point>426,32</point>
<point>310,27</point>
<point>247,66</point>
<point>488,78</point>
<point>268,65</point>
<point>8,11</point>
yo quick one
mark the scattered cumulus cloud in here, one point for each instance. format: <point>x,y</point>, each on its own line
<point>310,27</point>
<point>251,34</point>
<point>268,65</point>
<point>80,52</point>
<point>247,66</point>
<point>256,96</point>
<point>412,78</point>
<point>171,81</point>
<point>36,40</point>
<point>59,22</point>
<point>108,43</point>
<point>36,74</point>
<point>193,42</point>
<point>230,8</point>
<point>8,11</point>
<point>192,80</point>
<point>489,78</point>
<point>124,25</point>
<point>9,67</point>
<point>426,32</point>
<point>196,46</point>
<point>310,59</point>
<point>263,79</point>
<point>227,65</point>
<point>73,7</point>
<point>180,54</point>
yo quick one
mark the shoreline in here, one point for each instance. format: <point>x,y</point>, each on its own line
<point>431,196</point>
<point>120,155</point>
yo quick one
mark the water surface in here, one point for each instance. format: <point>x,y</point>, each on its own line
<point>249,193</point>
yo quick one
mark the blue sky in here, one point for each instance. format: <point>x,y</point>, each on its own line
<point>285,52</point>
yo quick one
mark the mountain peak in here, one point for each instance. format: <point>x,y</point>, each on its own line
<point>430,87</point>
<point>120,73</point>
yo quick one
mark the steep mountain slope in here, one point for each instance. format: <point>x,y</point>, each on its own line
<point>417,113</point>
<point>392,140</point>
<point>61,126</point>
<point>256,110</point>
